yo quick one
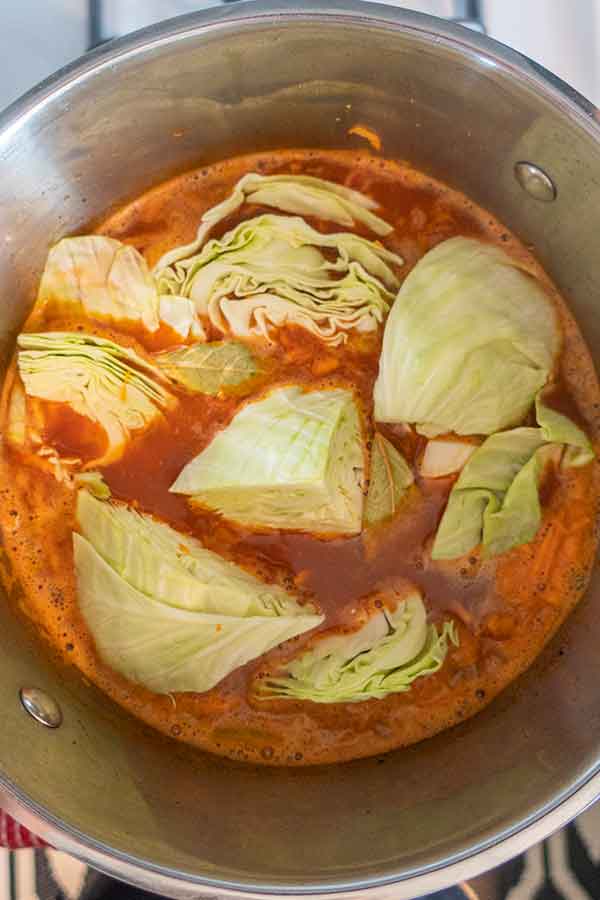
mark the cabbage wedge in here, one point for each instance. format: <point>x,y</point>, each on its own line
<point>175,568</point>
<point>166,621</point>
<point>298,194</point>
<point>495,500</point>
<point>470,340</point>
<point>293,459</point>
<point>270,270</point>
<point>107,383</point>
<point>98,276</point>
<point>386,656</point>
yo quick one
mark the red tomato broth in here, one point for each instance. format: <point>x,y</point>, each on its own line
<point>505,610</point>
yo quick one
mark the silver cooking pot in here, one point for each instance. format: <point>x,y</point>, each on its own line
<point>458,105</point>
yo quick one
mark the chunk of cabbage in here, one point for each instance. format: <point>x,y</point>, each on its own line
<point>16,429</point>
<point>293,459</point>
<point>109,384</point>
<point>175,568</point>
<point>269,271</point>
<point>93,275</point>
<point>97,275</point>
<point>167,613</point>
<point>470,340</point>
<point>386,656</point>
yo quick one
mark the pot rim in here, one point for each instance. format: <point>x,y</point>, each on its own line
<point>176,884</point>
<point>585,789</point>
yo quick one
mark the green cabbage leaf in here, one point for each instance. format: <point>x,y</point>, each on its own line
<point>107,383</point>
<point>269,271</point>
<point>298,194</point>
<point>559,428</point>
<point>293,459</point>
<point>165,648</point>
<point>470,340</point>
<point>386,656</point>
<point>164,611</point>
<point>495,500</point>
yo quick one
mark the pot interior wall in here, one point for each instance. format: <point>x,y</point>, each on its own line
<point>205,93</point>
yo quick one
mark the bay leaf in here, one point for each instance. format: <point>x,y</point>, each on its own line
<point>391,476</point>
<point>209,368</point>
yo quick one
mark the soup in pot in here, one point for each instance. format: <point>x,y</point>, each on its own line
<point>298,457</point>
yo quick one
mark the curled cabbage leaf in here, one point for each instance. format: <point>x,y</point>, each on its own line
<point>386,656</point>
<point>99,276</point>
<point>269,271</point>
<point>293,459</point>
<point>103,381</point>
<point>495,500</point>
<point>470,340</point>
<point>488,481</point>
<point>560,429</point>
<point>299,194</point>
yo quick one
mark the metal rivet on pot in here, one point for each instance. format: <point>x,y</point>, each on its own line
<point>535,182</point>
<point>41,706</point>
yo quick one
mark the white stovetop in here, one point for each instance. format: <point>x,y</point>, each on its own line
<point>39,36</point>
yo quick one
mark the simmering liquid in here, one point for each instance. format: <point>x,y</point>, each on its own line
<point>505,609</point>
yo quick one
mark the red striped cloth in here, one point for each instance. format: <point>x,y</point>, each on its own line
<point>15,836</point>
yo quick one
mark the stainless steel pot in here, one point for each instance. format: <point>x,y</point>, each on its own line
<point>195,90</point>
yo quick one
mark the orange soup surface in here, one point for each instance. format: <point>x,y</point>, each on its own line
<point>504,609</point>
